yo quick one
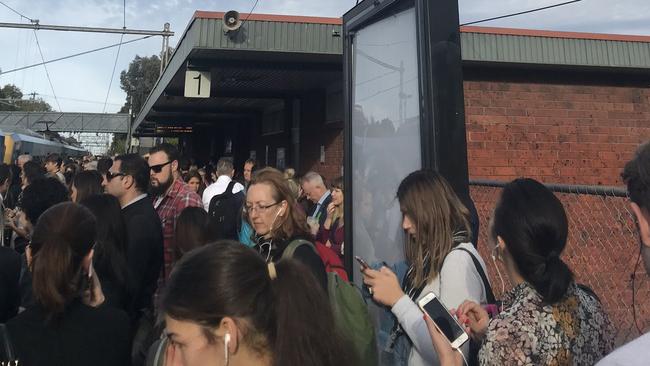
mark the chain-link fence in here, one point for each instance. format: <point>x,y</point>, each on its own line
<point>602,250</point>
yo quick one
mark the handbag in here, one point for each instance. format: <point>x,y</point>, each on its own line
<point>7,355</point>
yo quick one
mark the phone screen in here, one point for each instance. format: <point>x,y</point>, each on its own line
<point>443,319</point>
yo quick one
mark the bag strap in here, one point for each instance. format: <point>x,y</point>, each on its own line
<point>231,185</point>
<point>488,289</point>
<point>295,244</point>
<point>5,342</point>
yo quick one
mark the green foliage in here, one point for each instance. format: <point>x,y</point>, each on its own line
<point>118,144</point>
<point>11,99</point>
<point>138,81</point>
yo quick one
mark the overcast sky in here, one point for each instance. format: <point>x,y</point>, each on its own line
<point>81,83</point>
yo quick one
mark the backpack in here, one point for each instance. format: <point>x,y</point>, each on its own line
<point>332,261</point>
<point>350,310</point>
<point>225,212</point>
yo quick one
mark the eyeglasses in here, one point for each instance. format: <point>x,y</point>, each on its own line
<point>158,168</point>
<point>249,209</point>
<point>110,175</point>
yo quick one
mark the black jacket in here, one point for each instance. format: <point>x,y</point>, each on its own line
<point>9,276</point>
<point>82,336</point>
<point>303,254</point>
<point>144,252</point>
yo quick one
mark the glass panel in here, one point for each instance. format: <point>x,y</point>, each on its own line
<point>385,133</point>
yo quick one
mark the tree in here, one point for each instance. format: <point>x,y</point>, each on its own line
<point>118,145</point>
<point>11,99</point>
<point>138,81</point>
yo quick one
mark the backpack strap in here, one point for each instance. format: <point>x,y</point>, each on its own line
<point>231,185</point>
<point>5,343</point>
<point>295,244</point>
<point>488,289</point>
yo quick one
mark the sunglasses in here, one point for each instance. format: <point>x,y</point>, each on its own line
<point>158,168</point>
<point>110,175</point>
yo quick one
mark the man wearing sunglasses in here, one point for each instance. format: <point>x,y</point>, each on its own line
<point>171,195</point>
<point>128,180</point>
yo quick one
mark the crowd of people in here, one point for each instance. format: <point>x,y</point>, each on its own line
<point>155,260</point>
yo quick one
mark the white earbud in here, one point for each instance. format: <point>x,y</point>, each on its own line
<point>226,342</point>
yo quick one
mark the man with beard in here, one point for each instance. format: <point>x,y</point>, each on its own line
<point>171,196</point>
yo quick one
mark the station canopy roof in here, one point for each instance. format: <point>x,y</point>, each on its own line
<point>275,57</point>
<point>270,59</point>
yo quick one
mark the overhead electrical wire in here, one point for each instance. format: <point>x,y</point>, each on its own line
<point>521,12</point>
<point>250,12</point>
<point>47,72</point>
<point>75,55</point>
<point>16,11</point>
<point>110,84</point>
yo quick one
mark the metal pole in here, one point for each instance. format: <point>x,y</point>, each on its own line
<point>66,28</point>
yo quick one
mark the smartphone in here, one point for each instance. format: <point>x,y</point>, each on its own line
<point>443,320</point>
<point>364,265</point>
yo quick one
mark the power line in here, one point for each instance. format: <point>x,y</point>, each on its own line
<point>108,92</point>
<point>46,72</point>
<point>250,12</point>
<point>78,100</point>
<point>75,55</point>
<point>16,11</point>
<point>521,12</point>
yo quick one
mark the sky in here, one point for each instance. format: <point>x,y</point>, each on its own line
<point>82,83</point>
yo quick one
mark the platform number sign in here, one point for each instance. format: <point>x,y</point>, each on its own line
<point>197,84</point>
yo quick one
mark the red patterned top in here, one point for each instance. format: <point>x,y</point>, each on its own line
<point>176,200</point>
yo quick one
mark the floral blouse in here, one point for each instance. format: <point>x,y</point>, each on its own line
<point>574,331</point>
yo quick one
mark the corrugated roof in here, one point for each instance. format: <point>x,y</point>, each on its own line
<point>266,34</point>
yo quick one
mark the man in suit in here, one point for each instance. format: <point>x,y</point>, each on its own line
<point>316,192</point>
<point>128,180</point>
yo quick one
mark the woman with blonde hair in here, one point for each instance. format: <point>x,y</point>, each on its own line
<point>440,259</point>
<point>273,213</point>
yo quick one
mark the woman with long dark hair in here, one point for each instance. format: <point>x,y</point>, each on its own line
<point>224,305</point>
<point>61,328</point>
<point>85,184</point>
<point>440,259</point>
<point>194,229</point>
<point>110,249</point>
<point>547,319</point>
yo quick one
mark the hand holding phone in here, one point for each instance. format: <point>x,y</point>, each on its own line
<point>443,320</point>
<point>364,265</point>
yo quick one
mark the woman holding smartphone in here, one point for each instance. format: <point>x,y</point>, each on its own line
<point>547,318</point>
<point>439,254</point>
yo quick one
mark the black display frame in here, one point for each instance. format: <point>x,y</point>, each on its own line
<point>442,118</point>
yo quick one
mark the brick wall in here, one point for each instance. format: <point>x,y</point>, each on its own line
<point>571,134</point>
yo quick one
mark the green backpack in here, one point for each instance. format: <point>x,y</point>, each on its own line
<point>350,311</point>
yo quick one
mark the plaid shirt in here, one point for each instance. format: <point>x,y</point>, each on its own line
<point>176,200</point>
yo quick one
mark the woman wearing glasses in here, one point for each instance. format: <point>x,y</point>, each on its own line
<point>272,211</point>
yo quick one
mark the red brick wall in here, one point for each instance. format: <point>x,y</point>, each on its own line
<point>556,133</point>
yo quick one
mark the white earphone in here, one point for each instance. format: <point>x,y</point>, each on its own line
<point>226,342</point>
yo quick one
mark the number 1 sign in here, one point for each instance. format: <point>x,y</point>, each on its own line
<point>197,84</point>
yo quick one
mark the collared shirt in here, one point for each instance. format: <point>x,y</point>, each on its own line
<point>219,187</point>
<point>320,203</point>
<point>135,200</point>
<point>169,207</point>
